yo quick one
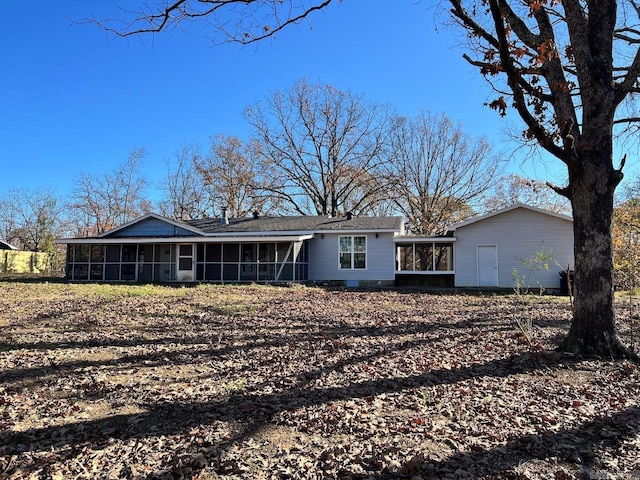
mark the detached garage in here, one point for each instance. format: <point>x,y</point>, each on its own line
<point>489,248</point>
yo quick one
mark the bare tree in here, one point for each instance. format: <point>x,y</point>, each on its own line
<point>185,196</point>
<point>30,220</point>
<point>512,189</point>
<point>325,148</point>
<point>232,175</point>
<point>439,172</point>
<point>101,203</point>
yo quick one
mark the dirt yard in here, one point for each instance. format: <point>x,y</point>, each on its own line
<point>258,382</point>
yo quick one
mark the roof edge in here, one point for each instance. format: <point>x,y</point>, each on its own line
<point>500,211</point>
<point>175,223</point>
<point>9,246</point>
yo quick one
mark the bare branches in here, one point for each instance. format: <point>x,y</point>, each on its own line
<point>101,203</point>
<point>529,62</point>
<point>184,195</point>
<point>563,191</point>
<point>240,21</point>
<point>325,146</point>
<point>630,81</point>
<point>467,21</point>
<point>30,219</point>
<point>439,172</point>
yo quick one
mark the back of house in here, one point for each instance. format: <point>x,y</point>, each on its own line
<point>348,250</point>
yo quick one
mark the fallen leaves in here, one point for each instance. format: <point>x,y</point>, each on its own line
<point>303,383</point>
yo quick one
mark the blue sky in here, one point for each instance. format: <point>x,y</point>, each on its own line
<point>74,100</point>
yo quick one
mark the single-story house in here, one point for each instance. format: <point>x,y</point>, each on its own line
<point>355,251</point>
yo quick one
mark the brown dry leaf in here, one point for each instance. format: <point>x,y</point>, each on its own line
<point>265,382</point>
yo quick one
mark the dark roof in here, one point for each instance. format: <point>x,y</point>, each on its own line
<point>296,224</point>
<point>6,246</point>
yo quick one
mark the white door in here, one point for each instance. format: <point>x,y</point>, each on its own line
<point>487,266</point>
<point>185,262</point>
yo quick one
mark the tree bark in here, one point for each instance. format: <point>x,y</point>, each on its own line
<point>592,189</point>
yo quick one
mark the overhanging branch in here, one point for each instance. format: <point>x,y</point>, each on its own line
<point>248,32</point>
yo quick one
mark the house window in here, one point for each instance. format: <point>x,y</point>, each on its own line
<point>424,257</point>
<point>405,257</point>
<point>353,252</point>
<point>444,257</point>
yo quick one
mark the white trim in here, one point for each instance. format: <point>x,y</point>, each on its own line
<point>266,234</point>
<point>192,272</point>
<point>354,231</point>
<point>425,272</point>
<point>505,210</point>
<point>146,240</point>
<point>433,270</point>
<point>284,262</point>
<point>353,253</point>
<point>410,239</point>
<point>9,246</point>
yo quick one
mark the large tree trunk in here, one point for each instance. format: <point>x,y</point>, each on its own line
<point>592,187</point>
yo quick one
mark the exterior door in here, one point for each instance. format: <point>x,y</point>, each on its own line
<point>185,262</point>
<point>487,266</point>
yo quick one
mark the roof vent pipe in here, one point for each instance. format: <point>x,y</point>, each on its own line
<point>224,220</point>
<point>349,215</point>
<point>256,215</point>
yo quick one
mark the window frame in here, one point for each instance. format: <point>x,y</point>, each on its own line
<point>405,248</point>
<point>352,252</point>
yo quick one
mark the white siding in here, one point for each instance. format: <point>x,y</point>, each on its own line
<point>517,234</point>
<point>323,262</point>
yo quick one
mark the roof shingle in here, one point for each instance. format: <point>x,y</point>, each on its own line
<point>296,224</point>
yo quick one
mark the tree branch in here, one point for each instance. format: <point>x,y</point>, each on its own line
<point>459,12</point>
<point>514,79</point>
<point>248,29</point>
<point>630,80</point>
<point>564,191</point>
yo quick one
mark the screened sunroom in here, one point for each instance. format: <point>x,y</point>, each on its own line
<point>255,261</point>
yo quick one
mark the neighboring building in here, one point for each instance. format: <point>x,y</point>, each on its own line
<point>355,251</point>
<point>6,246</point>
<point>14,261</point>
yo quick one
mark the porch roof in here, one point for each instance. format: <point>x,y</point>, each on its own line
<point>194,239</point>
<point>418,239</point>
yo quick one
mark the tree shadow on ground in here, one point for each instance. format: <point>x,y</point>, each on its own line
<point>208,344</point>
<point>578,446</point>
<point>210,349</point>
<point>254,411</point>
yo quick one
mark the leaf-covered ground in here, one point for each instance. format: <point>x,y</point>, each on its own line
<point>304,383</point>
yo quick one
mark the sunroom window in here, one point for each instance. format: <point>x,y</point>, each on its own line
<point>424,257</point>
